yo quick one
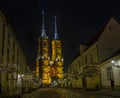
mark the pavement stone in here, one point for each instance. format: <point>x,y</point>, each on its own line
<point>115,93</point>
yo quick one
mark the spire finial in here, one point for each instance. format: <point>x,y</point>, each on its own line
<point>43,26</point>
<point>55,25</point>
<point>55,33</point>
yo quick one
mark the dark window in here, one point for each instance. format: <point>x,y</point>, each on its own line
<point>18,52</point>
<point>13,46</point>
<point>3,40</point>
<point>45,43</point>
<point>12,58</point>
<point>8,40</point>
<point>79,64</point>
<point>17,62</point>
<point>109,73</point>
<point>45,50</point>
<point>17,56</point>
<point>85,60</point>
<point>8,54</point>
<point>91,58</point>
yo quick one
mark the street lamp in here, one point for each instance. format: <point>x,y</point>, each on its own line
<point>115,63</point>
<point>20,84</point>
<point>22,88</point>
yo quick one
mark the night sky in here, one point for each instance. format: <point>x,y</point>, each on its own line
<point>77,22</point>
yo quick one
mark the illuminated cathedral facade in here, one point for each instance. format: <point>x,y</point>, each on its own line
<point>49,67</point>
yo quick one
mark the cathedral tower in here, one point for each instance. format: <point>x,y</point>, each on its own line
<point>43,59</point>
<point>49,69</point>
<point>57,57</point>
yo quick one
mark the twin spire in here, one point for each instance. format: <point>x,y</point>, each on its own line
<point>55,33</point>
<point>43,34</point>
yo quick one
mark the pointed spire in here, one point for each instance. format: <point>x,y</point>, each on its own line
<point>55,33</point>
<point>43,34</point>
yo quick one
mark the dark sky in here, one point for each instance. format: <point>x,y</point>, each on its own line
<point>77,21</point>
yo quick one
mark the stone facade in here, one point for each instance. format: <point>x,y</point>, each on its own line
<point>13,63</point>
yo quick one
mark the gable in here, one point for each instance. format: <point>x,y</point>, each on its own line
<point>109,40</point>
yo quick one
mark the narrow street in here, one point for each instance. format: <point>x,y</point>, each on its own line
<point>64,93</point>
<point>59,49</point>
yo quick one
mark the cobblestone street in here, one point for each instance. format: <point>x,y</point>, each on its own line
<point>71,93</point>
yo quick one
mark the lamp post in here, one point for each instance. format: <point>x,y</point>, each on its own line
<point>22,86</point>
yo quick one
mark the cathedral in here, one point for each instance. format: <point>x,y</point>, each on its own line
<point>49,60</point>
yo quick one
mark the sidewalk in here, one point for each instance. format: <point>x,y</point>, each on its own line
<point>115,93</point>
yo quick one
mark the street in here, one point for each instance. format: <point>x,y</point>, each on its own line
<point>64,93</point>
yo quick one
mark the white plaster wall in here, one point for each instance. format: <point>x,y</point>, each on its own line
<point>104,79</point>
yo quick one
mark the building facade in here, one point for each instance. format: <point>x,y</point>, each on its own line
<point>83,71</point>
<point>110,70</point>
<point>109,46</point>
<point>13,63</point>
<point>92,66</point>
<point>49,68</point>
